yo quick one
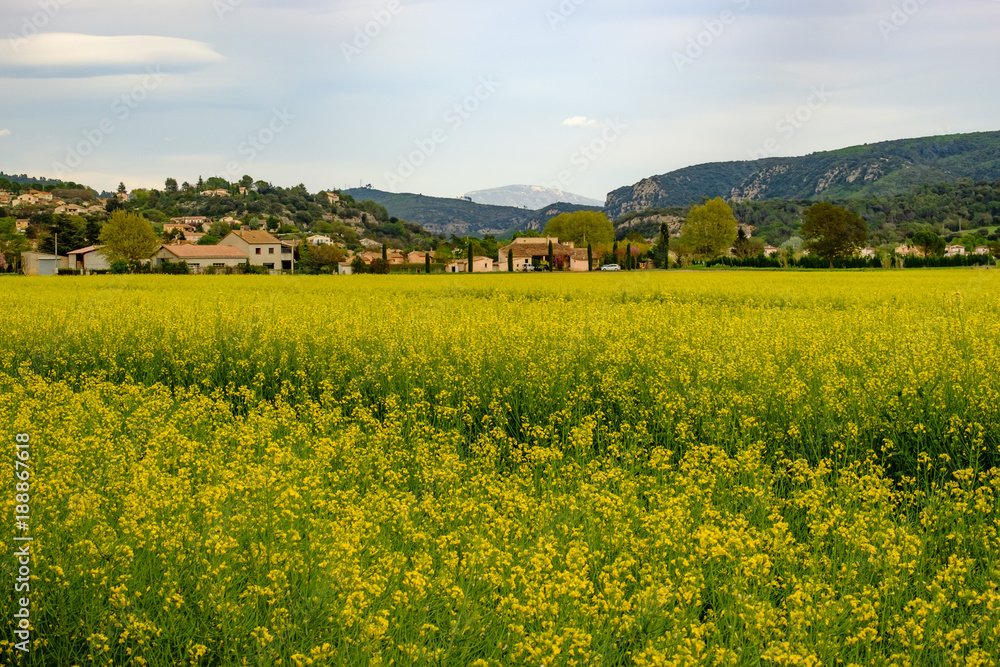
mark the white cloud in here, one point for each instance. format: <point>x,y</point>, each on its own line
<point>579,121</point>
<point>4,133</point>
<point>52,55</point>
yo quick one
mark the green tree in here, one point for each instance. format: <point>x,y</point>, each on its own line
<point>510,261</point>
<point>581,227</point>
<point>628,257</point>
<point>385,253</point>
<point>12,242</point>
<point>170,186</point>
<point>929,243</point>
<point>747,247</point>
<point>663,245</point>
<point>128,236</point>
<point>358,265</point>
<point>552,258</point>
<point>470,256</point>
<point>832,232</point>
<point>590,257</point>
<point>427,263</point>
<point>710,229</point>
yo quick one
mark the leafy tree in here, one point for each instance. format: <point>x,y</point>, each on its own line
<point>128,236</point>
<point>208,239</point>
<point>747,247</point>
<point>379,267</point>
<point>323,259</point>
<point>581,227</point>
<point>12,242</point>
<point>929,243</point>
<point>710,229</point>
<point>122,189</point>
<point>832,232</point>
<point>358,265</point>
<point>170,186</point>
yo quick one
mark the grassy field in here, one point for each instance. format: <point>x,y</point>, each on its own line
<point>649,469</point>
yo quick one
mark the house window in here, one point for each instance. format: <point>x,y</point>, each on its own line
<point>286,251</point>
<point>269,267</point>
<point>257,250</point>
<point>270,251</point>
<point>219,266</point>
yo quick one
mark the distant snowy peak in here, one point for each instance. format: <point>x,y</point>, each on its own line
<point>531,197</point>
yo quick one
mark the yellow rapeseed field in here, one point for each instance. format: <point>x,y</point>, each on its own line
<point>641,469</point>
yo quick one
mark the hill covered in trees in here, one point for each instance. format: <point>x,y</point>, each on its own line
<point>953,210</point>
<point>460,217</point>
<point>874,171</point>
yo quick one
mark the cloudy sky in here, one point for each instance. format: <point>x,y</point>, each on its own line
<point>441,97</point>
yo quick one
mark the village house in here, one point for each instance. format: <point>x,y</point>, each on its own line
<point>907,251</point>
<point>319,239</point>
<point>194,221</point>
<point>982,250</point>
<point>70,209</point>
<point>200,257</point>
<point>479,265</point>
<point>527,252</point>
<point>261,248</point>
<point>332,197</point>
<point>869,253</point>
<point>771,251</point>
<point>417,257</point>
<point>954,251</point>
<point>221,192</point>
<point>89,259</point>
<point>28,199</point>
<point>174,226</point>
<point>21,225</point>
<point>42,264</point>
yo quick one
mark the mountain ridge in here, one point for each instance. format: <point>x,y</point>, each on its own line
<point>881,169</point>
<point>532,197</point>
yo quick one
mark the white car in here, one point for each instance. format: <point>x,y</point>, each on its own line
<point>611,267</point>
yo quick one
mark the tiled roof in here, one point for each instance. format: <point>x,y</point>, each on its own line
<point>205,251</point>
<point>84,251</point>
<point>258,237</point>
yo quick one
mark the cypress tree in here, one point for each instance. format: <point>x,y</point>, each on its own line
<point>470,256</point>
<point>628,257</point>
<point>510,261</point>
<point>385,252</point>
<point>427,262</point>
<point>551,258</point>
<point>590,257</point>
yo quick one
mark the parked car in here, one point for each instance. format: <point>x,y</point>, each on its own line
<point>611,267</point>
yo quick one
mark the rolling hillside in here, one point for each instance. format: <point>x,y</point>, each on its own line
<point>875,170</point>
<point>460,217</point>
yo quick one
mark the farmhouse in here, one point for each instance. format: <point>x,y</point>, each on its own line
<point>528,252</point>
<point>200,257</point>
<point>89,259</point>
<point>261,248</point>
<point>319,239</point>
